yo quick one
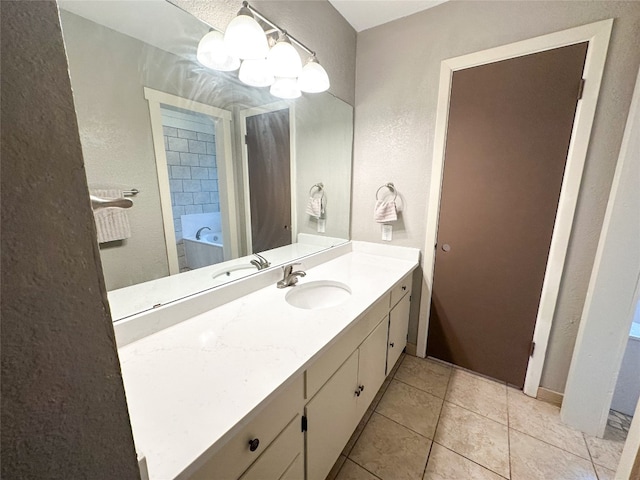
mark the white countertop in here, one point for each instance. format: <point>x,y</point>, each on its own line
<point>189,386</point>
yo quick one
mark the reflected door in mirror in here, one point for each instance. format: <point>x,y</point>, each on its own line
<point>269,169</point>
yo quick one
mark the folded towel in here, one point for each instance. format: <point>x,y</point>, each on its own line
<point>315,206</point>
<point>111,223</point>
<point>385,211</point>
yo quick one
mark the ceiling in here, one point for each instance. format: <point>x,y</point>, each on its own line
<point>364,14</point>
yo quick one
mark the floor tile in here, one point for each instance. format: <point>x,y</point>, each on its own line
<point>533,459</point>
<point>336,468</point>
<point>425,374</point>
<point>353,471</point>
<point>447,465</point>
<point>476,437</point>
<point>391,451</point>
<point>605,473</point>
<point>542,421</point>
<point>605,453</point>
<point>480,395</point>
<point>411,407</point>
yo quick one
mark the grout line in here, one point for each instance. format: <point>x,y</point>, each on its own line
<point>424,470</point>
<point>471,460</point>
<point>556,446</point>
<point>408,428</point>
<point>361,468</point>
<point>418,388</point>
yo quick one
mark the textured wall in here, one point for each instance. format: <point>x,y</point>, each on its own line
<point>397,76</point>
<point>64,413</point>
<point>314,22</point>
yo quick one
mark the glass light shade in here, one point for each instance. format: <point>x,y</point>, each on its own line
<point>285,88</point>
<point>244,37</point>
<point>256,73</point>
<point>284,59</point>
<point>212,54</point>
<point>313,78</point>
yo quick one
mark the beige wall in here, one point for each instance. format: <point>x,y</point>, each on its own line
<point>314,22</point>
<point>64,414</point>
<point>396,94</point>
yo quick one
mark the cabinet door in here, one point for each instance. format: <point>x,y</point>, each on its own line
<point>277,460</point>
<point>372,365</point>
<point>398,327</point>
<point>331,419</point>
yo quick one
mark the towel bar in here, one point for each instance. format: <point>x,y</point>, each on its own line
<point>99,202</point>
<point>391,187</point>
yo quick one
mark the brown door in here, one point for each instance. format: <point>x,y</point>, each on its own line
<point>508,136</point>
<point>268,156</point>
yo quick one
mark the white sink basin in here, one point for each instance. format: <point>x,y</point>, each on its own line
<point>318,294</point>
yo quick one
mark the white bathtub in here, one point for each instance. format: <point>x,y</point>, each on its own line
<point>625,397</point>
<point>207,250</point>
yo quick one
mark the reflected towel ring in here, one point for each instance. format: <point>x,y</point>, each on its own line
<point>318,186</point>
<point>391,187</point>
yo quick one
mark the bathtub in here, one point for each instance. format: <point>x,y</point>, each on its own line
<point>627,392</point>
<point>207,250</point>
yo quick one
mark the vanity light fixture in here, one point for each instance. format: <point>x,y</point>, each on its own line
<point>213,54</point>
<point>279,67</point>
<point>284,59</point>
<point>313,78</point>
<point>244,37</point>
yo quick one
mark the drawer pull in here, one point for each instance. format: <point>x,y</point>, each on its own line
<point>357,392</point>
<point>391,344</point>
<point>253,444</point>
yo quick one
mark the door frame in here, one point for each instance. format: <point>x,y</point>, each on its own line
<point>224,163</point>
<point>250,112</point>
<point>597,34</point>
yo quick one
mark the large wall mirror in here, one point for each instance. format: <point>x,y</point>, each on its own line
<point>224,178</point>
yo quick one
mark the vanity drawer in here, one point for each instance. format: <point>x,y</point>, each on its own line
<point>319,372</point>
<point>400,290</point>
<point>235,457</point>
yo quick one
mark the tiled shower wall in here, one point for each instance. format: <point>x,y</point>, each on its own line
<point>193,177</point>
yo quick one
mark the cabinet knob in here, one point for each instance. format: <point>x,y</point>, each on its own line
<point>253,444</point>
<point>391,344</point>
<point>357,392</point>
<point>404,287</point>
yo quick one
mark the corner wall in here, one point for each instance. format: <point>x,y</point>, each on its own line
<point>397,74</point>
<point>64,413</point>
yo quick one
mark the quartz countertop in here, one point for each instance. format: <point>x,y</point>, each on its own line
<point>189,387</point>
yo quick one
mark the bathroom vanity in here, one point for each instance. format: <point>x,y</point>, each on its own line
<point>256,388</point>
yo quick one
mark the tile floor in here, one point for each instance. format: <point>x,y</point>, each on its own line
<point>430,421</point>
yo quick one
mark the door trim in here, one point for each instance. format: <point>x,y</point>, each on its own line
<point>250,112</point>
<point>597,34</point>
<point>224,159</point>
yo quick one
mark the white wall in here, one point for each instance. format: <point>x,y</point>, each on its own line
<point>613,294</point>
<point>397,73</point>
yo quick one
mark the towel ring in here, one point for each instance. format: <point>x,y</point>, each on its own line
<point>391,187</point>
<point>318,186</point>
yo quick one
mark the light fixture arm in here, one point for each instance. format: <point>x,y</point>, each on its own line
<point>245,4</point>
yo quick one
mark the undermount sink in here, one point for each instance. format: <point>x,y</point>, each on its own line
<point>317,295</point>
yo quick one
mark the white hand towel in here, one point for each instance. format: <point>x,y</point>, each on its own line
<point>315,207</point>
<point>385,211</point>
<point>111,223</point>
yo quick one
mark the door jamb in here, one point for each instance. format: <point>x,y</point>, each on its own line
<point>597,34</point>
<point>224,160</point>
<point>250,112</point>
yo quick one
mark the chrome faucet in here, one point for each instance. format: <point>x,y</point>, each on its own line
<point>260,262</point>
<point>290,277</point>
<point>199,232</point>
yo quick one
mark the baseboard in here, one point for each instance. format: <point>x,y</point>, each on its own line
<point>411,349</point>
<point>549,396</point>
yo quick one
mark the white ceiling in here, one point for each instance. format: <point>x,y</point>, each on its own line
<point>364,14</point>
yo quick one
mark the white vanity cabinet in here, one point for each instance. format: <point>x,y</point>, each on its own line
<point>398,320</point>
<point>270,443</point>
